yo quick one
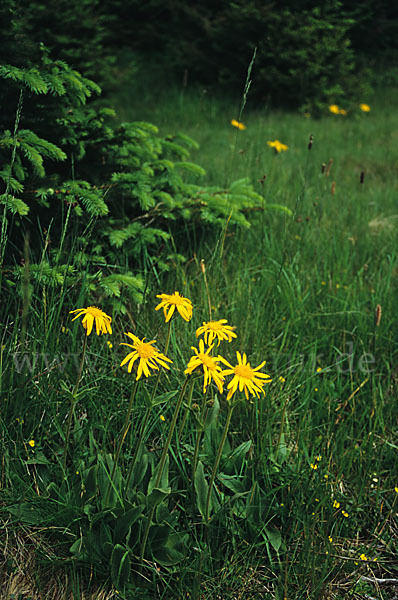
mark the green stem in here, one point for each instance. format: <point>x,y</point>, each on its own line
<point>188,407</point>
<point>124,431</point>
<point>137,448</point>
<point>202,417</point>
<point>73,403</point>
<point>282,424</point>
<point>162,462</point>
<point>217,461</point>
<point>148,412</point>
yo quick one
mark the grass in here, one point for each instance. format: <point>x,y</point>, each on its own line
<point>308,479</point>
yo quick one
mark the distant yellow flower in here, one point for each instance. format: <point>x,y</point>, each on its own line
<point>342,112</point>
<point>330,539</point>
<point>363,557</point>
<point>236,123</point>
<point>336,504</point>
<point>281,379</point>
<point>318,458</point>
<point>246,378</point>
<point>149,357</point>
<point>319,370</point>
<point>396,490</point>
<point>162,418</point>
<point>31,443</point>
<point>277,145</point>
<point>334,109</point>
<point>364,107</point>
<point>172,301</point>
<point>314,466</point>
<point>216,329</point>
<point>344,513</point>
<point>211,368</point>
<point>110,345</point>
<point>92,315</point>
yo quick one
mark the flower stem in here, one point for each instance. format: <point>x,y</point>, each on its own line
<point>73,403</point>
<point>124,431</point>
<point>162,462</point>
<point>217,461</point>
<point>148,412</point>
<point>184,418</point>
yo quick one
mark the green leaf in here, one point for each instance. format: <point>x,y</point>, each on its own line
<point>202,489</point>
<point>120,566</point>
<point>274,537</point>
<point>164,480</point>
<point>157,496</point>
<point>124,523</point>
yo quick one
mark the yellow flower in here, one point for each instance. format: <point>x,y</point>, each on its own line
<point>31,443</point>
<point>334,109</point>
<point>281,379</point>
<point>314,467</point>
<point>162,418</point>
<point>336,504</point>
<point>211,370</point>
<point>170,302</point>
<point>344,513</point>
<point>330,539</point>
<point>364,107</point>
<point>363,557</point>
<point>92,315</point>
<point>318,458</point>
<point>319,370</point>
<point>396,489</point>
<point>342,112</point>
<point>110,345</point>
<point>236,123</point>
<point>149,357</point>
<point>277,145</point>
<point>216,329</point>
<point>247,378</point>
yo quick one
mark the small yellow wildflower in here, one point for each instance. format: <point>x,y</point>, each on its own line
<point>323,282</point>
<point>149,357</point>
<point>334,109</point>
<point>319,370</point>
<point>277,145</point>
<point>363,557</point>
<point>326,476</point>
<point>236,123</point>
<point>315,389</point>
<point>216,329</point>
<point>316,499</point>
<point>162,418</point>
<point>336,504</point>
<point>31,443</point>
<point>342,112</point>
<point>396,489</point>
<point>318,458</point>
<point>282,379</point>
<point>92,315</point>
<point>314,466</point>
<point>110,345</point>
<point>170,302</point>
<point>344,513</point>
<point>364,107</point>
<point>246,378</point>
<point>330,539</point>
<point>211,370</point>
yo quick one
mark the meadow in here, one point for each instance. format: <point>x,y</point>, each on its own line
<point>166,487</point>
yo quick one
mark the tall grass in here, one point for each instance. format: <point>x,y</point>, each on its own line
<point>315,491</point>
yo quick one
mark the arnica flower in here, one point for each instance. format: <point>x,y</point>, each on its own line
<point>211,370</point>
<point>172,301</point>
<point>92,315</point>
<point>278,146</point>
<point>216,329</point>
<point>31,443</point>
<point>364,107</point>
<point>246,378</point>
<point>336,504</point>
<point>363,557</point>
<point>236,123</point>
<point>149,357</point>
<point>334,109</point>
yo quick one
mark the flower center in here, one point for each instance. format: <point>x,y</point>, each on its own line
<point>244,371</point>
<point>208,361</point>
<point>145,350</point>
<point>176,299</point>
<point>95,312</point>
<point>214,325</point>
